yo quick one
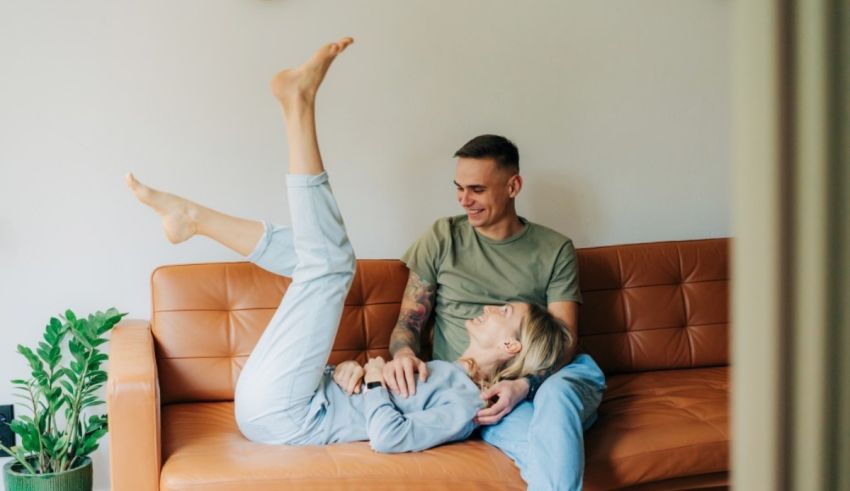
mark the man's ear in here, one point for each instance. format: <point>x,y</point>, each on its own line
<point>512,346</point>
<point>514,185</point>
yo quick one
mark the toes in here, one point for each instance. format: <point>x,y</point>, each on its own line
<point>337,47</point>
<point>344,42</point>
<point>131,181</point>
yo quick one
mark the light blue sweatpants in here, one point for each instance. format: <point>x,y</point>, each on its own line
<point>545,438</point>
<point>283,372</point>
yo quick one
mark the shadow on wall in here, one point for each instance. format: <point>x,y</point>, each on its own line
<point>562,203</point>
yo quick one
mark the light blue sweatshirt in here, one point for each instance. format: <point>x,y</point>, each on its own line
<point>441,411</point>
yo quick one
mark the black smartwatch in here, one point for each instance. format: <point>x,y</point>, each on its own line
<point>373,385</point>
<point>534,382</point>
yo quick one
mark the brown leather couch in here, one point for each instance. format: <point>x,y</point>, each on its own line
<point>655,317</point>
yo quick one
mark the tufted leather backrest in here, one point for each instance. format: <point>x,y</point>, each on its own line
<point>208,317</point>
<point>646,306</point>
<point>653,306</point>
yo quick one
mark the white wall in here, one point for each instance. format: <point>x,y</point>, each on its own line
<point>621,113</point>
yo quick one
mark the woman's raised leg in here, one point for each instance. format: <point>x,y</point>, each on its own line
<point>295,90</point>
<point>269,246</point>
<point>275,393</point>
<point>182,219</point>
<point>263,243</point>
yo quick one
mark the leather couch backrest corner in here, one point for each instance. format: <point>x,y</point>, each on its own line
<point>655,306</point>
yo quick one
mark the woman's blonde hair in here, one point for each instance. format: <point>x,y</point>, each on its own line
<point>544,339</point>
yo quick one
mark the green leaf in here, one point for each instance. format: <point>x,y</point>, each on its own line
<point>112,317</point>
<point>75,347</point>
<point>67,386</point>
<point>66,370</point>
<point>33,360</point>
<point>98,378</point>
<point>40,376</point>
<point>71,376</point>
<point>19,426</point>
<point>55,356</point>
<point>50,439</point>
<point>92,390</point>
<point>92,401</point>
<point>60,443</point>
<point>43,350</point>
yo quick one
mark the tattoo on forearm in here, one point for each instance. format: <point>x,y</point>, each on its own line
<point>415,308</point>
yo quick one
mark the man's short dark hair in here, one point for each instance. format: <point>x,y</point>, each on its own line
<point>496,147</point>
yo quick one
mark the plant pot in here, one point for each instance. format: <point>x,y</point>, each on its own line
<point>77,479</point>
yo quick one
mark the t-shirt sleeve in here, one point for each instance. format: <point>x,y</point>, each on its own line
<point>425,255</point>
<point>563,284</point>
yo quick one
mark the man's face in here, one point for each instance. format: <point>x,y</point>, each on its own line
<point>485,191</point>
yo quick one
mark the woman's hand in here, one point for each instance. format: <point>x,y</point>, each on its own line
<point>374,370</point>
<point>348,375</point>
<point>508,394</point>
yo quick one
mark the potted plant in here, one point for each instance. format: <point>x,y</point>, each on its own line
<point>57,438</point>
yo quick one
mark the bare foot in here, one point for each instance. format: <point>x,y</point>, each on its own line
<point>179,216</point>
<point>301,84</point>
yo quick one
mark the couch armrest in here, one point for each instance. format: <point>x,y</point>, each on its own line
<point>132,401</point>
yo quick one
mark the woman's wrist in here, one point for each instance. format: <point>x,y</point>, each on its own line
<point>376,376</point>
<point>534,383</point>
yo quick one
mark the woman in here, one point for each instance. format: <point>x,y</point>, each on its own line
<point>284,394</point>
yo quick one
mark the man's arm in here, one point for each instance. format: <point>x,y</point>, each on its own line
<point>567,312</point>
<point>416,306</point>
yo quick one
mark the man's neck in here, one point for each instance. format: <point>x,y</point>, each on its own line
<point>502,230</point>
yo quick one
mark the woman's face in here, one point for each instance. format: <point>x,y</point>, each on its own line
<point>497,328</point>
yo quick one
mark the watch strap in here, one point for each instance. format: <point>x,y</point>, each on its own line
<point>534,383</point>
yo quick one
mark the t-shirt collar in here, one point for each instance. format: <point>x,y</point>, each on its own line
<point>508,240</point>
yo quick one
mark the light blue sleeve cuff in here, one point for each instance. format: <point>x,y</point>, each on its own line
<point>262,244</point>
<point>375,398</point>
<point>306,180</point>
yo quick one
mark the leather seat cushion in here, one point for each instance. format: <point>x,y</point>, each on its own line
<point>204,450</point>
<point>660,425</point>
<point>652,426</point>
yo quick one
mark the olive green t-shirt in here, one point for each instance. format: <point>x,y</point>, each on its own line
<point>537,265</point>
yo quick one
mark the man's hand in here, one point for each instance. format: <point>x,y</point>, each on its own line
<point>348,375</point>
<point>398,373</point>
<point>509,394</point>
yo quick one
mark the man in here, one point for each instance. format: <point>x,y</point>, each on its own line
<point>491,255</point>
